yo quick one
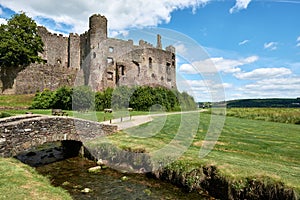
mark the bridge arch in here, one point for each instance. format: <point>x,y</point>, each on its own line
<point>17,134</point>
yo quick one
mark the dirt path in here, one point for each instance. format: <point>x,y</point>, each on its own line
<point>127,122</point>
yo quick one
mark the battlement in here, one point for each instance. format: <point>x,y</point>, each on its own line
<point>43,32</point>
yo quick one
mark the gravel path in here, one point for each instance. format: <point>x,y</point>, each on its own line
<point>128,122</point>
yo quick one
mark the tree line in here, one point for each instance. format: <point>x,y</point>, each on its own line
<point>141,98</point>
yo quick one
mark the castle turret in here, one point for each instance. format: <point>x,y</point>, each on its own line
<point>159,46</point>
<point>98,30</point>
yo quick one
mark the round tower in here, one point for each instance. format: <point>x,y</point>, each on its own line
<point>98,29</point>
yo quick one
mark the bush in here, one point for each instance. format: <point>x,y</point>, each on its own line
<point>43,100</point>
<point>141,98</point>
<point>63,98</point>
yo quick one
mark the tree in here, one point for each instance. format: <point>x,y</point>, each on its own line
<point>63,98</point>
<point>20,45</point>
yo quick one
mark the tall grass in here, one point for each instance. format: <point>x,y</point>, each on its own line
<point>282,115</point>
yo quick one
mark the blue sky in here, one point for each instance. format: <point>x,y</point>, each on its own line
<point>253,45</point>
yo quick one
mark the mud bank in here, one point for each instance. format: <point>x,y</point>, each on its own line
<point>206,178</point>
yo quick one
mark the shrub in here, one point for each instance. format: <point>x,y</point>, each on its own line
<point>63,98</point>
<point>43,100</point>
<point>141,98</point>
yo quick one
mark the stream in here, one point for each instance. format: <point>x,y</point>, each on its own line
<point>72,174</point>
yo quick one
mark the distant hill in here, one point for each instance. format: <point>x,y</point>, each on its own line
<point>269,103</point>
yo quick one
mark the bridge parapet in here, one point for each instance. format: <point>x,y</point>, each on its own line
<point>23,132</point>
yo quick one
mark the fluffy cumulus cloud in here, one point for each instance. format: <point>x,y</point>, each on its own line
<point>262,73</point>
<point>218,64</point>
<point>273,87</point>
<point>271,46</point>
<point>239,5</point>
<point>138,13</point>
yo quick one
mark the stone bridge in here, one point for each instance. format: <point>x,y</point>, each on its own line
<point>20,133</point>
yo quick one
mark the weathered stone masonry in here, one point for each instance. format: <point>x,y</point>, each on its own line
<point>94,59</point>
<point>20,133</point>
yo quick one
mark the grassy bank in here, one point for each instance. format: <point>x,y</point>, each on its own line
<point>246,150</point>
<point>19,181</point>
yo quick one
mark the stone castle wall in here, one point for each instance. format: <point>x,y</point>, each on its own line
<point>102,62</point>
<point>38,77</point>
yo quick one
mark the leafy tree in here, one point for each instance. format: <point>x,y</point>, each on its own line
<point>63,98</point>
<point>20,43</point>
<point>19,46</point>
<point>103,99</point>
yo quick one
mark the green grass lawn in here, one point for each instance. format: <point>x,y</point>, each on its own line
<point>19,181</point>
<point>245,149</point>
<point>16,101</point>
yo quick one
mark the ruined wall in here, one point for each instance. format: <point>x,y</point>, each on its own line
<point>118,62</point>
<point>102,62</point>
<point>114,62</point>
<point>38,77</point>
<point>55,48</point>
<point>74,51</point>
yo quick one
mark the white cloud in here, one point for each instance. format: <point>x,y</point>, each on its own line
<point>214,65</point>
<point>3,21</point>
<point>263,73</point>
<point>239,5</point>
<point>271,46</point>
<point>138,13</point>
<point>205,90</point>
<point>298,41</point>
<point>243,42</point>
<point>180,48</point>
<point>274,87</point>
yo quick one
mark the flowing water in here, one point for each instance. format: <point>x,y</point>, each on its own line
<point>72,174</point>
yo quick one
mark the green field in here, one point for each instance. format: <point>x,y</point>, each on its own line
<point>282,115</point>
<point>246,148</point>
<point>16,101</point>
<point>250,146</point>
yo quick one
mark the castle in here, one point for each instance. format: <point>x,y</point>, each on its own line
<point>98,61</point>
